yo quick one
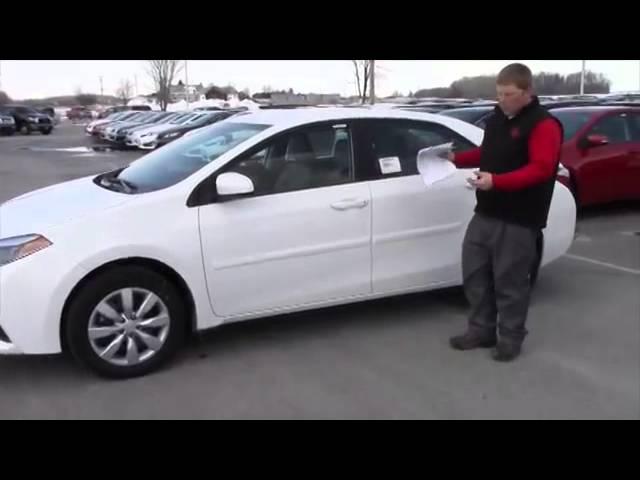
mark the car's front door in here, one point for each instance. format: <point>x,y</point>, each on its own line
<point>302,238</point>
<point>603,167</point>
<point>417,230</point>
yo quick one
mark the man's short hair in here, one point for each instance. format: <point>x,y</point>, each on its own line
<point>516,74</point>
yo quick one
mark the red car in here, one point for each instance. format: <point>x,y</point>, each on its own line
<point>601,153</point>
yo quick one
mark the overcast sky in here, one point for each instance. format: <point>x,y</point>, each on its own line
<point>34,79</point>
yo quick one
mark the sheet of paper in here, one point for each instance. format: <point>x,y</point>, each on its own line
<point>390,165</point>
<point>432,166</point>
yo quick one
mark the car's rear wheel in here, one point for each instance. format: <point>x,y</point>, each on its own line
<point>25,129</point>
<point>47,131</point>
<point>125,322</point>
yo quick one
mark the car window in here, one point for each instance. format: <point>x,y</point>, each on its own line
<point>572,121</point>
<point>180,159</point>
<point>634,123</point>
<point>614,127</point>
<point>389,148</point>
<point>312,157</point>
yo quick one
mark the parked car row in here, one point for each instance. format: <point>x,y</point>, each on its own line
<point>150,130</point>
<point>25,120</point>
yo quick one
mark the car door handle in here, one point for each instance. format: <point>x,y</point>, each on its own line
<point>349,203</point>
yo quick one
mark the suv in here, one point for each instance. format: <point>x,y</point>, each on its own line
<point>28,119</point>
<point>7,123</point>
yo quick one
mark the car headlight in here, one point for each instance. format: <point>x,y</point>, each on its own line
<point>171,135</point>
<point>33,119</point>
<point>149,136</point>
<point>16,248</point>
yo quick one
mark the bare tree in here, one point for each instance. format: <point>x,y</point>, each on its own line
<point>4,98</point>
<point>362,73</point>
<point>163,72</point>
<point>125,91</point>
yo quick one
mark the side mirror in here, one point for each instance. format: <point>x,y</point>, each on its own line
<point>594,140</point>
<point>233,184</point>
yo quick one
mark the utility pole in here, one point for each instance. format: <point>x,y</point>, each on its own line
<point>372,73</point>
<point>0,75</point>
<point>582,78</point>
<point>186,79</point>
<point>135,81</point>
<point>101,87</point>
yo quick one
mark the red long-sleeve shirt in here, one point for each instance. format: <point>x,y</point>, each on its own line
<point>544,145</point>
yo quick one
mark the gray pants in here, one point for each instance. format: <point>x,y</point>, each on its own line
<point>497,258</point>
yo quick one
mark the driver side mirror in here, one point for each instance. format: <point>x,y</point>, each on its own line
<point>232,184</point>
<point>594,140</point>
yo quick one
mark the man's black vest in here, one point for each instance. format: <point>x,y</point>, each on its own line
<point>505,148</point>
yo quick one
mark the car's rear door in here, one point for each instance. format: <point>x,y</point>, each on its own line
<point>417,230</point>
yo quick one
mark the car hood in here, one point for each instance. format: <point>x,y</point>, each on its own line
<point>178,129</point>
<point>157,129</point>
<point>36,211</point>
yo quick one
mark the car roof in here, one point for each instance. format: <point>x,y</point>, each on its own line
<point>301,116</point>
<point>598,109</point>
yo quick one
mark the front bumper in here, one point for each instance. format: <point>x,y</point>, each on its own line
<point>30,317</point>
<point>146,143</point>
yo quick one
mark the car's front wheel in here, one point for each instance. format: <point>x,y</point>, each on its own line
<point>125,322</point>
<point>47,131</point>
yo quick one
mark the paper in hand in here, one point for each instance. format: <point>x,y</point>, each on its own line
<point>433,164</point>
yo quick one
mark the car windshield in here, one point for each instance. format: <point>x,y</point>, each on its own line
<point>126,116</point>
<point>183,119</point>
<point>572,121</point>
<point>164,118</point>
<point>178,160</point>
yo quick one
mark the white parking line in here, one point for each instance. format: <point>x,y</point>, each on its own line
<point>604,264</point>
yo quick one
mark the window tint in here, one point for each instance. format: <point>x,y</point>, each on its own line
<point>307,158</point>
<point>390,147</point>
<point>571,121</point>
<point>614,127</point>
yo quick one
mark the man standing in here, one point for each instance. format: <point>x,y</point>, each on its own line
<point>518,162</point>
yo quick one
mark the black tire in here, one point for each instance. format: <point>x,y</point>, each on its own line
<point>25,129</point>
<point>47,131</point>
<point>76,321</point>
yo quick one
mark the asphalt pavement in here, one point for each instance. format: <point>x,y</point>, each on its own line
<point>386,359</point>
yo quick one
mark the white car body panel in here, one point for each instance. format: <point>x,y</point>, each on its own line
<point>285,249</point>
<point>249,257</point>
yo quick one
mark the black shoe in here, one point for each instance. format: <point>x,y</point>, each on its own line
<point>469,341</point>
<point>506,351</point>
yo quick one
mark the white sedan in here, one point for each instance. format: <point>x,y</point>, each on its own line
<point>260,214</point>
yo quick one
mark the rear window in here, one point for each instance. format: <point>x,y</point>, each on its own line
<point>572,121</point>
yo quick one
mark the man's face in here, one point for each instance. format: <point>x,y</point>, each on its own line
<point>512,99</point>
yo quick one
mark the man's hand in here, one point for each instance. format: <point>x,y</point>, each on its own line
<point>484,181</point>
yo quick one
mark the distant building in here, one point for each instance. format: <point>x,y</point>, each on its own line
<point>284,98</point>
<point>179,92</point>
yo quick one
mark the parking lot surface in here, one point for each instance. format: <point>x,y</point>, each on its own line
<point>386,359</point>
